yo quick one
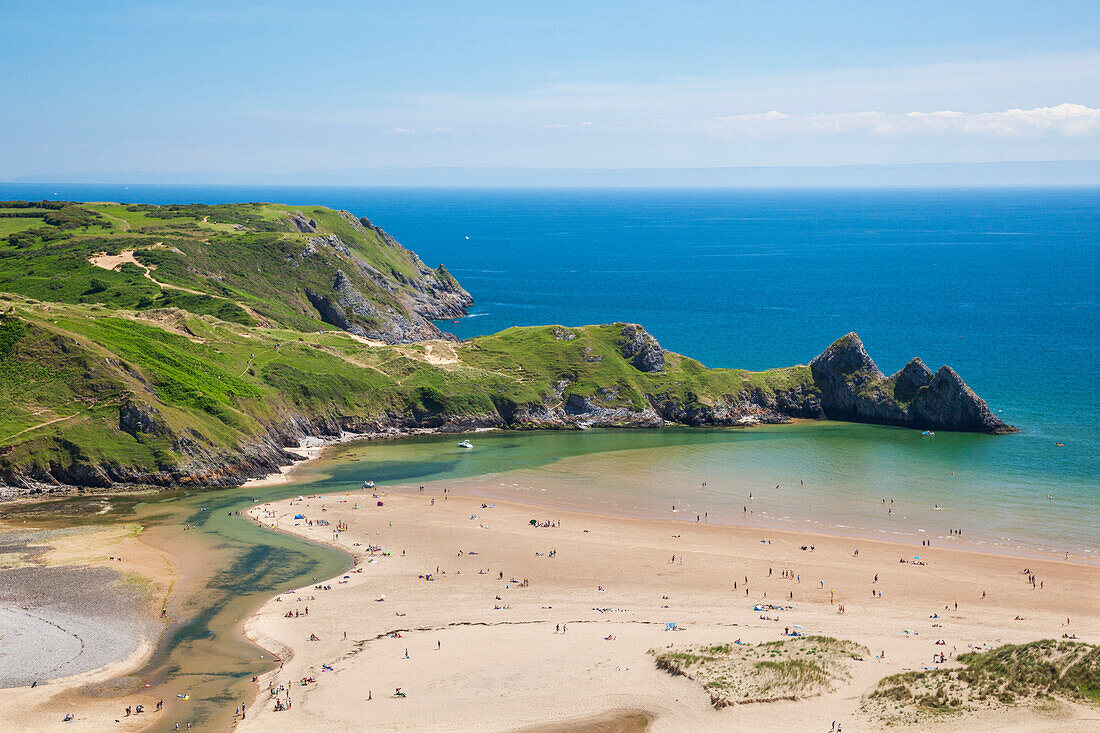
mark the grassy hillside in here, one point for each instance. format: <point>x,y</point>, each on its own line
<point>189,344</point>
<point>148,391</point>
<point>245,263</point>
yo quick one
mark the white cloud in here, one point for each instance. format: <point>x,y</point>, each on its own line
<point>1065,120</point>
<point>588,124</point>
<point>1033,108</point>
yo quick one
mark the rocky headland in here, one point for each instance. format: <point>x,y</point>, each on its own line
<point>266,325</point>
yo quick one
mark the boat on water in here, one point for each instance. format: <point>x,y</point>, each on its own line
<point>928,432</point>
<point>465,444</point>
<point>368,484</point>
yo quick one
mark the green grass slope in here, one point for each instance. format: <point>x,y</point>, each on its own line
<point>246,263</point>
<point>100,395</point>
<point>181,344</point>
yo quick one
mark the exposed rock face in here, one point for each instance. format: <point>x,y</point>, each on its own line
<point>134,419</point>
<point>852,388</point>
<point>386,238</point>
<point>329,311</point>
<point>330,240</point>
<point>946,403</point>
<point>910,379</point>
<point>436,295</point>
<point>746,408</point>
<point>348,309</point>
<point>351,300</point>
<point>302,224</point>
<point>841,372</point>
<point>641,349</point>
<point>387,304</point>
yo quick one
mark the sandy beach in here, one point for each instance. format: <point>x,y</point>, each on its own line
<point>487,622</point>
<point>79,611</point>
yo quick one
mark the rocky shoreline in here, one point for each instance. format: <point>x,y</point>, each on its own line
<point>843,383</point>
<point>210,392</point>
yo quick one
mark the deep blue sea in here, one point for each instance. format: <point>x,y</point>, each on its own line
<point>1003,285</point>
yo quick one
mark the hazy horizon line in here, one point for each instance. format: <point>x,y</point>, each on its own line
<point>1068,173</point>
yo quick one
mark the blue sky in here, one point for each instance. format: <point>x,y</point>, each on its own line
<point>250,87</point>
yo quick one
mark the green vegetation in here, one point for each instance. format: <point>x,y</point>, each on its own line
<point>160,345</point>
<point>221,385</point>
<point>1013,674</point>
<point>778,670</point>
<point>225,260</point>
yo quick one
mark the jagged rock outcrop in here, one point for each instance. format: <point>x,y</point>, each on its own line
<point>841,373</point>
<point>386,238</point>
<point>349,309</point>
<point>910,378</point>
<point>330,240</point>
<point>302,224</point>
<point>135,419</point>
<point>852,388</point>
<point>641,349</point>
<point>380,300</point>
<point>946,403</point>
<point>435,295</point>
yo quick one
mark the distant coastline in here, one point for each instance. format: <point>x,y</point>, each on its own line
<point>1055,173</point>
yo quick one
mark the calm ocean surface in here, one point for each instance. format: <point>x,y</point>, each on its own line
<point>1002,285</point>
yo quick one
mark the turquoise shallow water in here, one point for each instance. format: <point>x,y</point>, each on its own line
<point>1004,285</point>
<point>830,477</point>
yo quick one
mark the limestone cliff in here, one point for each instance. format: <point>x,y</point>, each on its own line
<point>390,304</point>
<point>853,388</point>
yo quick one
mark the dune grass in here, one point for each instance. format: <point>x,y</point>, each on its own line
<point>779,670</point>
<point>1033,673</point>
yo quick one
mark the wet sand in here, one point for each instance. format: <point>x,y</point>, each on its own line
<point>486,652</point>
<point>79,612</point>
<point>95,641</point>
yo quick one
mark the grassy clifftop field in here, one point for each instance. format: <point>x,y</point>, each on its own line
<point>192,344</point>
<point>255,264</point>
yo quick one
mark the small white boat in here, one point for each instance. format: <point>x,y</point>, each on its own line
<point>368,484</point>
<point>465,444</point>
<point>928,432</point>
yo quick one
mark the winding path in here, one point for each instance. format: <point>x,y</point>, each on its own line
<point>39,425</point>
<point>113,262</point>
